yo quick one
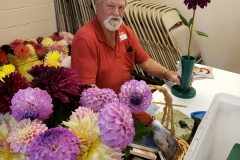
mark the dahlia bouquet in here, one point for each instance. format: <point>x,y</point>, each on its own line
<point>192,4</point>
<point>52,117</point>
<point>60,41</point>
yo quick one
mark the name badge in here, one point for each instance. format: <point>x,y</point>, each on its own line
<point>122,36</point>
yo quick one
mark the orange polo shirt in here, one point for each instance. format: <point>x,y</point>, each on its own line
<point>96,61</point>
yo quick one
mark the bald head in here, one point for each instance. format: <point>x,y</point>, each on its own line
<point>100,1</point>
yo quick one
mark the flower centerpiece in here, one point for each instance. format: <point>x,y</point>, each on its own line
<point>53,117</point>
<point>187,61</point>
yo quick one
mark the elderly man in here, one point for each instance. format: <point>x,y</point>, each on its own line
<point>104,51</point>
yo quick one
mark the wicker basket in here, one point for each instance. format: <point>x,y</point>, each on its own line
<point>168,115</point>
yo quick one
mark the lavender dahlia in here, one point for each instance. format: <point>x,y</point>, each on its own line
<point>192,4</point>
<point>136,95</point>
<point>55,144</point>
<point>32,103</point>
<point>97,98</point>
<point>116,125</point>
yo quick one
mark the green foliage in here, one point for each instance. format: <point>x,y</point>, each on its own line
<point>141,131</point>
<point>184,20</point>
<point>201,33</point>
<point>126,151</point>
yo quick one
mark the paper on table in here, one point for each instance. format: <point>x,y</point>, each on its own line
<point>152,109</point>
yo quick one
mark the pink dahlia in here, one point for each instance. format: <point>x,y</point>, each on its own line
<point>192,4</point>
<point>81,112</point>
<point>96,98</point>
<point>60,45</point>
<point>116,125</point>
<point>136,95</point>
<point>67,36</point>
<point>55,144</point>
<point>8,87</point>
<point>61,58</point>
<point>22,135</point>
<point>32,103</point>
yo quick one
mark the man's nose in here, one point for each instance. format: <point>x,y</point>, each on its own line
<point>116,11</point>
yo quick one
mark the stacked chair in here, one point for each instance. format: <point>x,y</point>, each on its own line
<point>158,27</point>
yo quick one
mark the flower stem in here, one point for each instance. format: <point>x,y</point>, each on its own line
<point>190,39</point>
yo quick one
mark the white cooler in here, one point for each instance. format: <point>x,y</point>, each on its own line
<point>218,131</point>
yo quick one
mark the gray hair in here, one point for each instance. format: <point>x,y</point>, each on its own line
<point>100,1</point>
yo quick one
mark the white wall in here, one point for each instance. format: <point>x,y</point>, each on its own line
<point>221,21</point>
<point>26,19</point>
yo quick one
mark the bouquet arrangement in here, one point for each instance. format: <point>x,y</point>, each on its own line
<point>53,117</point>
<point>59,41</point>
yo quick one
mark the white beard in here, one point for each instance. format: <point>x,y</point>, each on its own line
<point>113,25</point>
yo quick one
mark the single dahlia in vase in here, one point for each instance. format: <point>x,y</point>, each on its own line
<point>32,103</point>
<point>22,135</point>
<point>97,98</point>
<point>55,144</point>
<point>136,95</point>
<point>116,125</point>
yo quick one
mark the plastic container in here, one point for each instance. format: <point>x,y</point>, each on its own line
<point>218,131</point>
<point>23,65</point>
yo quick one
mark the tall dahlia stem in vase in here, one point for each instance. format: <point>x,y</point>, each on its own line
<point>190,38</point>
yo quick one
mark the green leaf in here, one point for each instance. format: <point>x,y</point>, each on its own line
<point>184,20</point>
<point>140,131</point>
<point>126,151</point>
<point>201,33</point>
<point>190,22</point>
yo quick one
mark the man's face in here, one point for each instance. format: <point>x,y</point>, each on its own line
<point>110,13</point>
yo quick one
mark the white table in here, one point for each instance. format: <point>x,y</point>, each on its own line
<point>223,82</point>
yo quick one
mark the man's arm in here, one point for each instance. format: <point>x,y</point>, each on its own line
<point>157,70</point>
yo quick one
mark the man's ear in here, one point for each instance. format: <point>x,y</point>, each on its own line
<point>96,4</point>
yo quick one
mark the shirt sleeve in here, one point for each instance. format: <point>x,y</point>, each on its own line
<point>84,61</point>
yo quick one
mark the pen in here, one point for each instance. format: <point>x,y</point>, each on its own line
<point>178,105</point>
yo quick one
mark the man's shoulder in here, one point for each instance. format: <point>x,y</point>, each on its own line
<point>86,31</point>
<point>126,28</point>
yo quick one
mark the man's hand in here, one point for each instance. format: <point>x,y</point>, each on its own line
<point>174,77</point>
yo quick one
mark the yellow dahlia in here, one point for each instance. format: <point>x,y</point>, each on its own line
<point>31,49</point>
<point>84,124</point>
<point>6,152</point>
<point>53,56</point>
<point>48,43</point>
<point>7,69</point>
<point>2,75</point>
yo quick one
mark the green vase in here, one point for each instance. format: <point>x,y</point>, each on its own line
<point>183,90</point>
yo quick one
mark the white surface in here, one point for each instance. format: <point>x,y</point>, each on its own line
<point>218,131</point>
<point>223,82</point>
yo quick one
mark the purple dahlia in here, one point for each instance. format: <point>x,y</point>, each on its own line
<point>116,125</point>
<point>55,144</point>
<point>32,103</point>
<point>97,98</point>
<point>192,4</point>
<point>8,87</point>
<point>61,83</point>
<point>136,95</point>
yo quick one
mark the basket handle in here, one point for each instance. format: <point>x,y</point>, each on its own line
<point>168,109</point>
